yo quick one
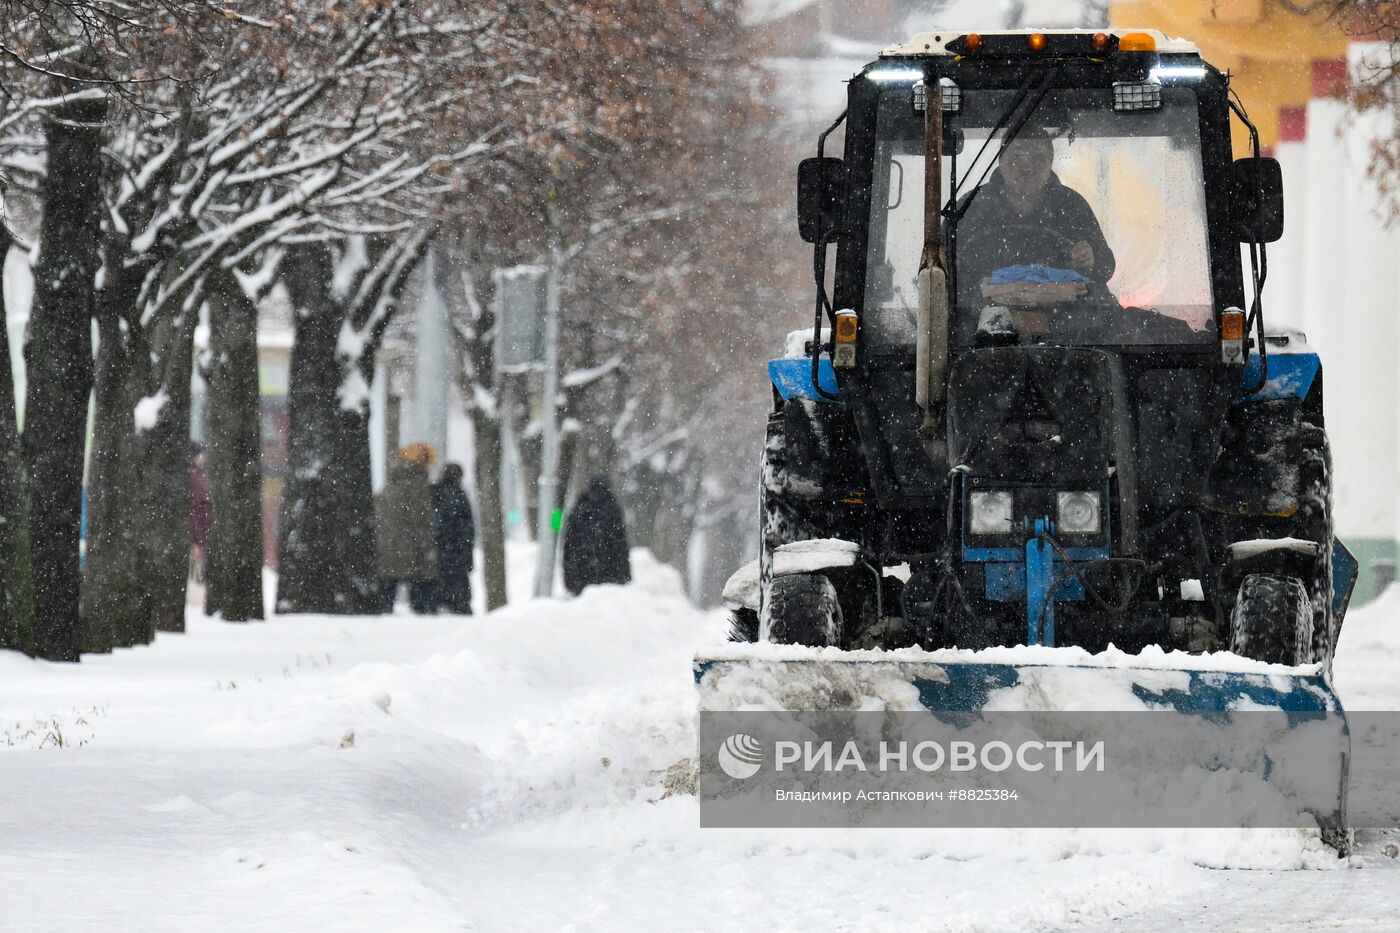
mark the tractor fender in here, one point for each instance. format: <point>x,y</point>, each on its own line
<point>793,379</point>
<point>1291,374</point>
<point>814,556</point>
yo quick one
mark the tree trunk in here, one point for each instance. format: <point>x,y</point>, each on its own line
<point>529,449</point>
<point>58,359</point>
<point>108,604</point>
<point>307,530</point>
<point>660,512</point>
<point>329,562</point>
<point>139,513</point>
<point>477,376</point>
<point>234,556</point>
<point>356,537</point>
<point>164,458</point>
<point>15,627</point>
<point>486,429</point>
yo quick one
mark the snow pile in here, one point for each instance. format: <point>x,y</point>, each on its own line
<point>795,343</point>
<point>515,772</point>
<point>1242,550</point>
<point>1151,658</point>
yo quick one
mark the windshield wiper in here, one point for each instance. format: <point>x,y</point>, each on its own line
<point>955,211</point>
<point>957,183</point>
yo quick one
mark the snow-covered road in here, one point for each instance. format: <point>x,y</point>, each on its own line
<point>506,774</point>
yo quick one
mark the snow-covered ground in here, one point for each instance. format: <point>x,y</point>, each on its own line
<point>507,773</point>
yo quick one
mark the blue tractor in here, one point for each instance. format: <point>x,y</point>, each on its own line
<point>1039,404</point>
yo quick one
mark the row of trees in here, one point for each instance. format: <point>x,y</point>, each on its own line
<point>176,162</point>
<point>659,179</point>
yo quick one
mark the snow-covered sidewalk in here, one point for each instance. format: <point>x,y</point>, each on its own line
<point>506,773</point>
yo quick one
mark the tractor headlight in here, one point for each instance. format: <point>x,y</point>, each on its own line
<point>991,513</point>
<point>1078,513</point>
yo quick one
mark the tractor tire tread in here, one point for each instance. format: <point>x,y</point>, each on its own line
<point>1272,620</point>
<point>804,610</point>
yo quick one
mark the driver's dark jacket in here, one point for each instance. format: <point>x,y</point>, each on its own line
<point>992,235</point>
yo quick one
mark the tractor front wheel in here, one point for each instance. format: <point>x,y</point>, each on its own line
<point>803,610</point>
<point>1273,620</point>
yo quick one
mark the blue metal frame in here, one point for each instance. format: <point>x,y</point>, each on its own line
<point>979,555</point>
<point>1029,571</point>
<point>1040,576</point>
<point>1006,582</point>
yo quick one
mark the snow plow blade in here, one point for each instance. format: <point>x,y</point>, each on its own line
<point>827,680</point>
<point>1245,744</point>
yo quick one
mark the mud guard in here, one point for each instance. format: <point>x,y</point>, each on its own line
<point>1345,570</point>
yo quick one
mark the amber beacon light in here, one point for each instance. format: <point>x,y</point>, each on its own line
<point>1137,42</point>
<point>1232,335</point>
<point>843,354</point>
<point>1036,41</point>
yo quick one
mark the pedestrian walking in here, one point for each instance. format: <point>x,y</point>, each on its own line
<point>595,540</point>
<point>403,513</point>
<point>455,533</point>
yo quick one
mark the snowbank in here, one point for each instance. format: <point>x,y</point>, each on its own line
<point>509,772</point>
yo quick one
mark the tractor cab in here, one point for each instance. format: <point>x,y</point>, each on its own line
<point>1084,192</point>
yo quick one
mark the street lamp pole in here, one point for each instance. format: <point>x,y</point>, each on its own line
<point>549,513</point>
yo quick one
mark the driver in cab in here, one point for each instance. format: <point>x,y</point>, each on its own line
<point>1023,215</point>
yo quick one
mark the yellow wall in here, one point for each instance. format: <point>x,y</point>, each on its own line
<point>1267,48</point>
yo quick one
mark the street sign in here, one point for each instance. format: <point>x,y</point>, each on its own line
<point>519,305</point>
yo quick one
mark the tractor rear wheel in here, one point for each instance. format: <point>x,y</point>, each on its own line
<point>803,610</point>
<point>1273,620</point>
<point>783,516</point>
<point>1275,481</point>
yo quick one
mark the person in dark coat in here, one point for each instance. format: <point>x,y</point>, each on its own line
<point>455,533</point>
<point>403,513</point>
<point>1023,215</point>
<point>595,540</point>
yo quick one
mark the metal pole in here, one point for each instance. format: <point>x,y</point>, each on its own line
<point>549,454</point>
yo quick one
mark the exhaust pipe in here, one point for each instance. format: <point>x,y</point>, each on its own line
<point>931,347</point>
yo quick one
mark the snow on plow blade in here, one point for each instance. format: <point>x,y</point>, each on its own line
<point>1244,743</point>
<point>780,678</point>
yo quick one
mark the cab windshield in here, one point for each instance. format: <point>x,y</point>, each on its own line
<point>1090,229</point>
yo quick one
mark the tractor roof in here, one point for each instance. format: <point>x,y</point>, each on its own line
<point>935,43</point>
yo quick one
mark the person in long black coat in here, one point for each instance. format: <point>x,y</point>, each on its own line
<point>455,532</point>
<point>595,540</point>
